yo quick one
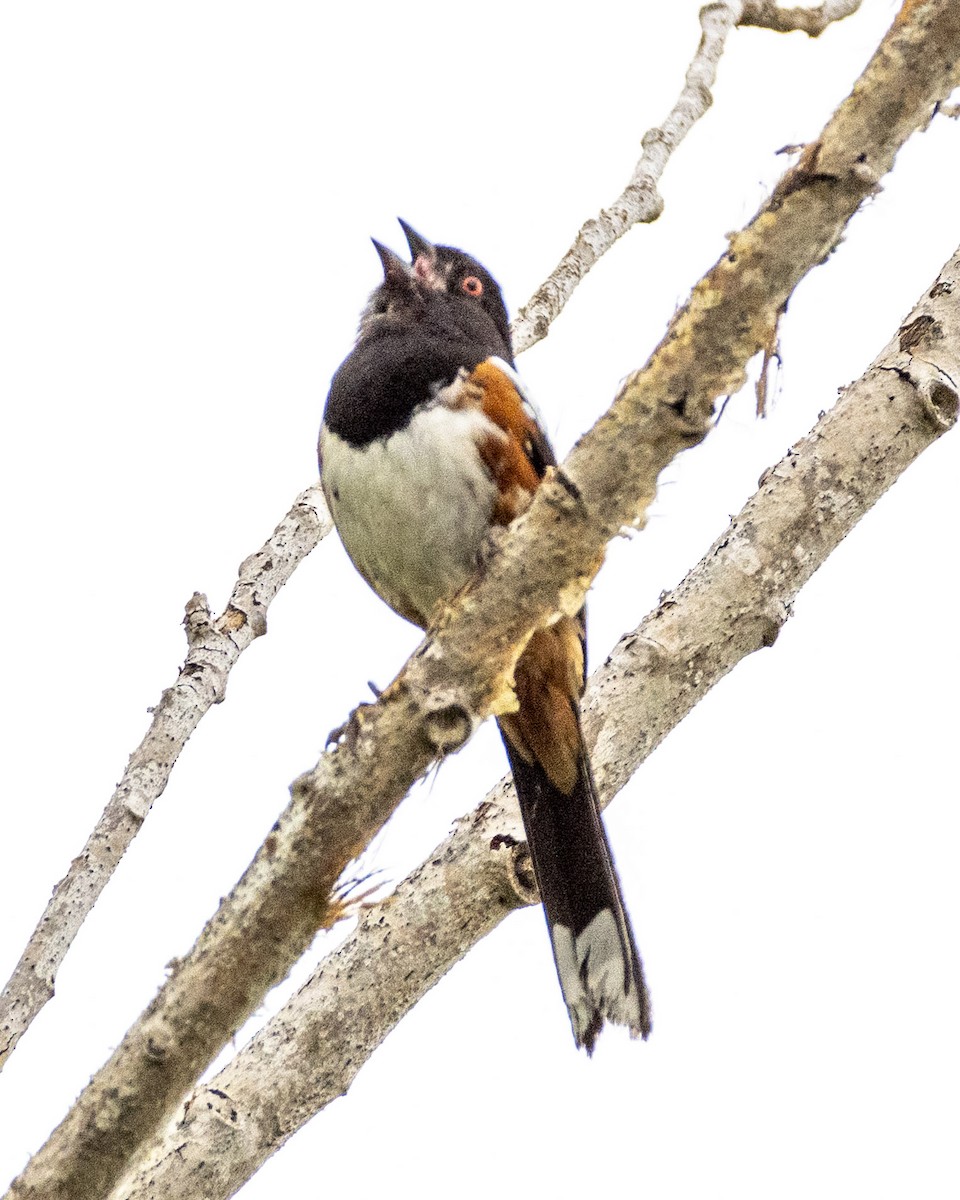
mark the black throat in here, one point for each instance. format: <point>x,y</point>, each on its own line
<point>401,359</point>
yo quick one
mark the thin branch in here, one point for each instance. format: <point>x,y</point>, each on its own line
<point>213,647</point>
<point>462,673</point>
<point>765,14</point>
<point>640,201</point>
<point>311,1051</point>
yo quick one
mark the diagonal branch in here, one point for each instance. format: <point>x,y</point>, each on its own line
<point>640,201</point>
<point>462,672</point>
<point>731,604</point>
<point>213,648</point>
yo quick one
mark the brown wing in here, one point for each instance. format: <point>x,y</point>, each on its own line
<point>549,677</point>
<point>517,461</point>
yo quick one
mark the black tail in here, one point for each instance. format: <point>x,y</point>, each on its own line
<point>600,972</point>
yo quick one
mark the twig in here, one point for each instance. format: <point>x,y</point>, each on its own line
<point>640,201</point>
<point>212,649</point>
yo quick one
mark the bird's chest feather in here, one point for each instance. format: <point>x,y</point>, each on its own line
<point>412,508</point>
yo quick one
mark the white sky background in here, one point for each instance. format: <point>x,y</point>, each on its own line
<point>188,192</point>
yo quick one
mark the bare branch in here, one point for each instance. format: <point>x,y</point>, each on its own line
<point>640,201</point>
<point>402,946</point>
<point>202,679</point>
<point>213,648</point>
<point>462,673</point>
<point>767,15</point>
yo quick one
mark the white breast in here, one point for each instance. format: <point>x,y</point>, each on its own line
<point>412,509</point>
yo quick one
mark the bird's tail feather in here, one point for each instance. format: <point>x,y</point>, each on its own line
<point>600,971</point>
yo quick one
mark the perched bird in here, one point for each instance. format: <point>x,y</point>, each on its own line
<point>427,441</point>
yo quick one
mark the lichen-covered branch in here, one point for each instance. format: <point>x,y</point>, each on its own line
<point>731,604</point>
<point>462,672</point>
<point>202,679</point>
<point>640,201</point>
<point>213,646</point>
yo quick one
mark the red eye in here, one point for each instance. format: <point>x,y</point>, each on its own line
<point>472,286</point>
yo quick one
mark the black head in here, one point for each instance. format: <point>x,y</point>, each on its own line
<point>441,284</point>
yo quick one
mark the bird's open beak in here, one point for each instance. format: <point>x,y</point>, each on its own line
<point>424,258</point>
<point>395,270</point>
<point>419,246</point>
<point>421,272</point>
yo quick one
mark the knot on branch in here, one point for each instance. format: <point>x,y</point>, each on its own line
<point>642,201</point>
<point>939,396</point>
<point>446,727</point>
<point>251,614</point>
<point>518,867</point>
<point>772,620</point>
<point>561,493</point>
<point>924,329</point>
<point>155,1050</point>
<point>196,618</point>
<point>937,391</point>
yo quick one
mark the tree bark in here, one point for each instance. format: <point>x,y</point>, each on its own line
<point>462,673</point>
<point>732,603</point>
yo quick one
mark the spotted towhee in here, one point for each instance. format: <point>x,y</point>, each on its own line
<point>427,441</point>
